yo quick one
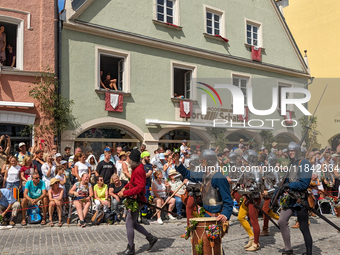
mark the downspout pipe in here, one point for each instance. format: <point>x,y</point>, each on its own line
<point>56,57</point>
<point>306,87</point>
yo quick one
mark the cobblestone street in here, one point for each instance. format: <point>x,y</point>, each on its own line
<point>112,239</point>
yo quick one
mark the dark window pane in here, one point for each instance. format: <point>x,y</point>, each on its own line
<point>169,3</point>
<point>160,9</point>
<point>255,36</point>
<point>209,23</point>
<point>160,17</point>
<point>248,34</point>
<point>235,82</point>
<point>169,11</point>
<point>248,40</point>
<point>169,19</point>
<point>161,2</point>
<point>255,43</point>
<point>248,28</point>
<point>217,32</point>
<point>209,30</point>
<point>216,17</point>
<point>209,15</point>
<point>255,29</point>
<point>217,25</point>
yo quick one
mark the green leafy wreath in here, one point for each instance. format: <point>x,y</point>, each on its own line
<point>190,229</point>
<point>130,204</point>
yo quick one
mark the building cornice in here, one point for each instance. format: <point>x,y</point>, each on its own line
<point>116,34</point>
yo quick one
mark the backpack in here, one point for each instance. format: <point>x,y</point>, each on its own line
<point>34,216</point>
<point>109,217</point>
<point>98,217</point>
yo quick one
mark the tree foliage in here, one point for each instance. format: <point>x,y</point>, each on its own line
<point>304,122</point>
<point>55,110</point>
<point>220,138</point>
<point>267,138</point>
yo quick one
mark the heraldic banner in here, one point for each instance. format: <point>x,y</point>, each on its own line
<point>185,109</point>
<point>113,102</point>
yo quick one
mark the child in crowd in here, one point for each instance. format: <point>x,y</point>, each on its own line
<point>62,179</point>
<point>101,194</point>
<point>26,171</point>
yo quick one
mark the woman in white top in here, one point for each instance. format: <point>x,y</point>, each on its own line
<point>12,175</point>
<point>82,167</point>
<point>168,166</point>
<point>48,170</point>
<point>158,191</point>
<point>120,162</point>
<point>126,168</point>
<point>93,164</point>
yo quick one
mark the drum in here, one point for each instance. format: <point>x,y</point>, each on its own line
<point>209,248</point>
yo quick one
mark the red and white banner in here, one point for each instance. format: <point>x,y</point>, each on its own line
<point>185,108</point>
<point>113,102</point>
<point>244,117</point>
<point>256,53</point>
<point>288,117</point>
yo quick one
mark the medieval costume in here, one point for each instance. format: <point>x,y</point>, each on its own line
<point>298,181</point>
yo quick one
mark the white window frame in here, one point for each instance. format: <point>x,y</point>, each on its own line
<point>281,84</point>
<point>221,13</point>
<point>116,54</point>
<point>19,58</point>
<point>259,33</point>
<point>241,76</point>
<point>188,67</point>
<point>175,12</point>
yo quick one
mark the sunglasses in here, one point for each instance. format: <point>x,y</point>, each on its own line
<point>36,178</point>
<point>100,180</point>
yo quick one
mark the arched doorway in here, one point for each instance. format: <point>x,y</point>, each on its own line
<point>95,139</point>
<point>174,138</point>
<point>234,138</point>
<point>283,141</point>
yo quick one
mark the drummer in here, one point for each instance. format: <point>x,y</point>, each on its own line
<point>216,197</point>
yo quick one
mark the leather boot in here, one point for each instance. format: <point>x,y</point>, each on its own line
<point>250,242</point>
<point>289,252</point>
<point>297,225</point>
<point>152,240</point>
<point>264,232</point>
<point>253,247</point>
<point>129,251</point>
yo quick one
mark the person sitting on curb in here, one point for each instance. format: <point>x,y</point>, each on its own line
<point>101,194</point>
<point>82,191</point>
<point>35,192</point>
<point>55,194</point>
<point>8,203</point>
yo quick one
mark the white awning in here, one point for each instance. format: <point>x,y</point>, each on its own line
<point>16,104</point>
<point>153,122</point>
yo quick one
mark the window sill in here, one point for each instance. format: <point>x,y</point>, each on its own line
<point>220,38</point>
<point>166,24</point>
<point>175,99</point>
<point>14,71</point>
<point>249,46</point>
<point>102,91</point>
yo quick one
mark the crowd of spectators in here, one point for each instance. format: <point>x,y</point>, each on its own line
<point>46,178</point>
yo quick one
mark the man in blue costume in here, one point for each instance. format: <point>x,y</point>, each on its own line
<point>216,197</point>
<point>298,181</point>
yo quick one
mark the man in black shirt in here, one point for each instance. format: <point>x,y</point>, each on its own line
<point>106,168</point>
<point>67,154</point>
<point>38,162</point>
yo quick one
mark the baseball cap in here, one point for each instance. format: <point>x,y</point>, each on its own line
<point>263,148</point>
<point>161,156</point>
<point>63,162</point>
<point>107,149</point>
<point>184,141</point>
<point>21,144</point>
<point>145,154</point>
<point>335,155</point>
<point>57,155</point>
<point>284,150</point>
<point>226,150</point>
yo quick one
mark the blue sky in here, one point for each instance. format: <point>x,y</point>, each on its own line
<point>61,4</point>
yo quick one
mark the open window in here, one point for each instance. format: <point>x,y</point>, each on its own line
<point>182,80</point>
<point>182,83</point>
<point>113,70</point>
<point>12,39</point>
